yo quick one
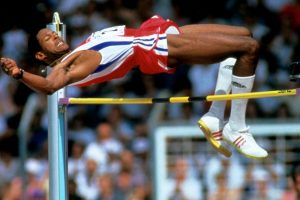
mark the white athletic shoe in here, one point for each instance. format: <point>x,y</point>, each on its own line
<point>244,142</point>
<point>212,128</point>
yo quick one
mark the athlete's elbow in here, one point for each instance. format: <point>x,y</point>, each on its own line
<point>49,90</point>
<point>45,91</point>
<point>52,86</point>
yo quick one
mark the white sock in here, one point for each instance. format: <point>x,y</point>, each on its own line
<point>237,119</point>
<point>223,86</point>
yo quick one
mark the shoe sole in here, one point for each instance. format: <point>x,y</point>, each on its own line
<point>244,154</point>
<point>215,144</point>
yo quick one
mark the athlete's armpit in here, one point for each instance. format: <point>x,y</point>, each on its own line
<point>85,63</point>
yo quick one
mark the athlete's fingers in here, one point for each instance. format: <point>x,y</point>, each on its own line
<point>8,65</point>
<point>3,65</point>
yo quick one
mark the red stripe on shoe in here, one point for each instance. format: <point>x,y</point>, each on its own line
<point>239,141</point>
<point>244,141</point>
<point>217,135</point>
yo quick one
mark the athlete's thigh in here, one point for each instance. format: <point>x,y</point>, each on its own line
<point>204,48</point>
<point>218,28</point>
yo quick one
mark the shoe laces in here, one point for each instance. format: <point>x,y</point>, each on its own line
<point>246,131</point>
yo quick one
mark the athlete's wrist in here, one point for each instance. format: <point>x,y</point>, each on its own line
<point>19,75</point>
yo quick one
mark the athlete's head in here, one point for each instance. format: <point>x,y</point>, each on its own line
<point>49,46</point>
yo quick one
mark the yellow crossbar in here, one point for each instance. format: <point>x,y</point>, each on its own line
<point>184,99</point>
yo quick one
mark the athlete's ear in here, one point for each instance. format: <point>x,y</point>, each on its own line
<point>40,56</point>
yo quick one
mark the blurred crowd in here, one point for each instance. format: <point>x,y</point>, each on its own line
<point>109,145</point>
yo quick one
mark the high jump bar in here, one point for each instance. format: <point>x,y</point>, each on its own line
<point>183,99</point>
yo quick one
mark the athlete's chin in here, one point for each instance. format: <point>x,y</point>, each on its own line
<point>63,51</point>
<point>63,48</point>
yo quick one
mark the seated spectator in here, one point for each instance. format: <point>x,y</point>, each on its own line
<point>181,185</point>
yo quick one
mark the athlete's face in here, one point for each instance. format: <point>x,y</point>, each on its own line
<point>51,43</point>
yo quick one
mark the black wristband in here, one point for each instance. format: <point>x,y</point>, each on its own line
<point>20,75</point>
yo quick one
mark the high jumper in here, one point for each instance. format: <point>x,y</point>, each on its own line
<point>157,46</point>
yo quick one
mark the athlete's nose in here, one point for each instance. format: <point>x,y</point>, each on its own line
<point>55,35</point>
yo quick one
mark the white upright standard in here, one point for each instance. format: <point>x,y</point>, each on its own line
<point>56,132</point>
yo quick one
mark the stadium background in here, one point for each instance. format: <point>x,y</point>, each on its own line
<point>121,165</point>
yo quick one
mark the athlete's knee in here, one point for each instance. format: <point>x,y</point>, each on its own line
<point>252,47</point>
<point>255,47</point>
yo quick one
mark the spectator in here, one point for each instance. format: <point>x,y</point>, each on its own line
<point>79,131</point>
<point>15,43</point>
<point>263,187</point>
<point>234,172</point>
<point>223,191</point>
<point>35,188</point>
<point>107,188</point>
<point>87,180</point>
<point>106,143</point>
<point>121,126</point>
<point>129,164</point>
<point>182,186</point>
<point>296,180</point>
<point>124,184</point>
<point>72,189</point>
<point>9,167</point>
<point>291,11</point>
<point>76,161</point>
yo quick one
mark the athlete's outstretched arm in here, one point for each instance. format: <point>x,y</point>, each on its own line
<point>55,80</point>
<point>76,67</point>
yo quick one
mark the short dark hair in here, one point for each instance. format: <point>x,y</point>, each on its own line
<point>33,45</point>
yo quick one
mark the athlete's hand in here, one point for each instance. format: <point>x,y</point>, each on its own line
<point>9,66</point>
